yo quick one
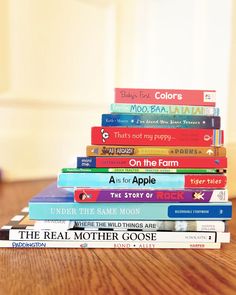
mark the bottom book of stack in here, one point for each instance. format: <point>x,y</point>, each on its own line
<point>21,232</point>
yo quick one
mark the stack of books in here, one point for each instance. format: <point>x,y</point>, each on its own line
<point>153,177</point>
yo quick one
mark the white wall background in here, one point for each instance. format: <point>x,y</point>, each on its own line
<point>61,59</point>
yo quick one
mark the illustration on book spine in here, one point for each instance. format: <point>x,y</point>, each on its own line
<point>183,151</point>
<point>149,196</point>
<point>154,136</point>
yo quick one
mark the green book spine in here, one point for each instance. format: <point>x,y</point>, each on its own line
<point>142,170</point>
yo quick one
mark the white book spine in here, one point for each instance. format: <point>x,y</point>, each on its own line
<point>114,245</point>
<point>118,236</point>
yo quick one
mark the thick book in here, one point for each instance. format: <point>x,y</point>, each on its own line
<point>161,121</point>
<point>157,136</point>
<point>164,109</point>
<point>141,180</point>
<point>58,204</point>
<point>170,151</point>
<point>152,162</point>
<point>166,96</point>
<point>89,195</point>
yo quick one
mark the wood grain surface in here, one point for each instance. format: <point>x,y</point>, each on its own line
<point>110,271</point>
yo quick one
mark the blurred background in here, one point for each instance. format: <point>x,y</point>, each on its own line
<point>61,59</point>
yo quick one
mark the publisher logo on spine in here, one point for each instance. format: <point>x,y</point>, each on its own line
<point>209,96</point>
<point>105,135</point>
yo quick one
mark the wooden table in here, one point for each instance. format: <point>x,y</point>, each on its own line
<point>110,271</point>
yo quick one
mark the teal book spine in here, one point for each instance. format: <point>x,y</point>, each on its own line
<point>121,180</point>
<point>141,180</point>
<point>164,109</point>
<point>129,211</point>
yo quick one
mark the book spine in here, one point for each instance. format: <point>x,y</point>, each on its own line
<point>118,236</point>
<point>145,170</point>
<point>154,136</point>
<point>151,196</point>
<point>180,225</point>
<point>111,245</point>
<point>165,96</point>
<point>142,180</point>
<point>161,121</point>
<point>183,151</point>
<point>129,211</point>
<point>151,162</point>
<point>164,109</point>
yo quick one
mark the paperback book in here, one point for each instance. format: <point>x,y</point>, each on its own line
<point>145,170</point>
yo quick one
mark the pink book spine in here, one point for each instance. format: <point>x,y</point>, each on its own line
<point>166,96</point>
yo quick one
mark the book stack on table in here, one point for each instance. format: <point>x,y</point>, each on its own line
<point>153,177</point>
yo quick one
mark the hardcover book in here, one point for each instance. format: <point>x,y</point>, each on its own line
<point>141,180</point>
<point>161,121</point>
<point>164,109</point>
<point>21,232</point>
<point>170,151</point>
<point>157,136</point>
<point>58,204</point>
<point>152,162</point>
<point>166,96</point>
<point>149,196</point>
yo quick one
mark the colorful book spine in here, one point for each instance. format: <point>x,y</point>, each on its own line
<point>151,162</point>
<point>88,195</point>
<point>143,180</point>
<point>118,236</point>
<point>129,211</point>
<point>97,244</point>
<point>162,225</point>
<point>183,151</point>
<point>161,121</point>
<point>164,109</point>
<point>166,96</point>
<point>154,136</point>
<point>145,170</point>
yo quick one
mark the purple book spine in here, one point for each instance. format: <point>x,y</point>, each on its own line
<point>150,196</point>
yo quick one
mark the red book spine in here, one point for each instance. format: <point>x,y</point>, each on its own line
<point>161,162</point>
<point>205,181</point>
<point>165,96</point>
<point>156,136</point>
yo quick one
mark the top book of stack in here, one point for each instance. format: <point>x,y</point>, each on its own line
<point>166,96</point>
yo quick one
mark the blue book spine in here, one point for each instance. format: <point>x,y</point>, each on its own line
<point>161,121</point>
<point>121,180</point>
<point>164,109</point>
<point>129,211</point>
